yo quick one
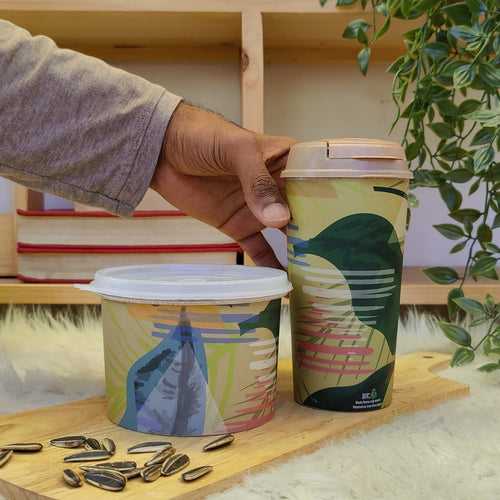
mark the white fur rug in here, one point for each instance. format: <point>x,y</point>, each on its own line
<point>451,452</point>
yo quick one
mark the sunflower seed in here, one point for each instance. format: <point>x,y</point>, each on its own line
<point>92,444</point>
<point>5,456</point>
<point>152,473</point>
<point>22,447</point>
<point>149,447</point>
<point>160,457</point>
<point>174,464</point>
<point>194,474</point>
<point>72,478</point>
<point>131,474</point>
<point>68,441</point>
<point>109,445</point>
<point>88,456</point>
<point>219,442</point>
<point>117,466</point>
<point>106,480</point>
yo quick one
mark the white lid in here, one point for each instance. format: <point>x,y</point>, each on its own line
<point>193,283</point>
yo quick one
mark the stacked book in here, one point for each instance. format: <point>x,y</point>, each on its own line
<point>69,246</point>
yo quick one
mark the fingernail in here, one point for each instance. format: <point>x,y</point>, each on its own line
<point>276,212</point>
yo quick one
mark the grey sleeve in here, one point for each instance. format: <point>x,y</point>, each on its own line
<point>74,126</point>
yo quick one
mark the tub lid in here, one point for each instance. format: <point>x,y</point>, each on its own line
<point>179,283</point>
<point>351,157</point>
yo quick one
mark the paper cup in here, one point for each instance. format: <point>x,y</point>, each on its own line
<point>190,350</point>
<point>348,200</point>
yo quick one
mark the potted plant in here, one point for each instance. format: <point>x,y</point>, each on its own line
<point>446,83</point>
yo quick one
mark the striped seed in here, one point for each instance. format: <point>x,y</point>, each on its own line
<point>68,441</point>
<point>174,464</point>
<point>72,478</point>
<point>108,445</point>
<point>194,474</point>
<point>117,466</point>
<point>149,447</point>
<point>23,447</point>
<point>160,457</point>
<point>132,474</point>
<point>88,456</point>
<point>106,480</point>
<point>220,442</point>
<point>152,473</point>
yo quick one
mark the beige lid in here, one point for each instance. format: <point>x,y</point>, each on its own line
<point>347,158</point>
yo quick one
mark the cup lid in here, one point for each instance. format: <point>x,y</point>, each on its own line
<point>351,157</point>
<point>193,283</point>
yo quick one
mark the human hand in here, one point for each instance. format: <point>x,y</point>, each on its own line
<point>225,176</point>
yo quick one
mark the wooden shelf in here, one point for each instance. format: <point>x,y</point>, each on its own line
<point>417,290</point>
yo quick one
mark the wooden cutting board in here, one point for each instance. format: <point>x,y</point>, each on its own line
<point>295,429</point>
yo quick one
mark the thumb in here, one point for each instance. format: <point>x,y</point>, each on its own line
<point>261,192</point>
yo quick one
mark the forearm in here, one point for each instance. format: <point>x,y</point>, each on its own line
<point>76,127</point>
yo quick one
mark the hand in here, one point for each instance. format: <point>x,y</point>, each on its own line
<point>225,176</point>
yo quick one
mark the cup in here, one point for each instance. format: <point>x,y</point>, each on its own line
<point>348,199</point>
<point>190,350</point>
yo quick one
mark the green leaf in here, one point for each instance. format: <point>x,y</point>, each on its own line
<point>364,59</point>
<point>474,187</point>
<point>484,233</point>
<point>383,30</point>
<point>458,13</point>
<point>458,247</point>
<point>436,50</point>
<point>412,200</point>
<point>456,333</point>
<point>323,2</point>
<point>341,3</point>
<point>412,151</point>
<point>453,294</point>
<point>488,117</point>
<point>459,175</point>
<point>462,356</point>
<point>483,136</point>
<point>482,158</point>
<point>483,266</point>
<point>468,106</point>
<point>464,75</point>
<point>442,275</point>
<point>450,196</point>
<point>474,6</point>
<point>471,306</point>
<point>465,214</point>
<point>406,8</point>
<point>452,152</point>
<point>450,231</point>
<point>465,33</point>
<point>491,247</point>
<point>447,108</point>
<point>490,74</point>
<point>489,367</point>
<point>443,130</point>
<point>496,222</point>
<point>351,30</point>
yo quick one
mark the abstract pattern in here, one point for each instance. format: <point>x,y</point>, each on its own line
<point>191,370</point>
<point>346,272</point>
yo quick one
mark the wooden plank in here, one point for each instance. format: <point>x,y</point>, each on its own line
<point>7,245</point>
<point>131,29</point>
<point>252,76</point>
<point>14,292</point>
<point>295,430</point>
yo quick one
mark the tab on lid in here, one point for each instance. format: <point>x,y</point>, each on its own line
<point>351,157</point>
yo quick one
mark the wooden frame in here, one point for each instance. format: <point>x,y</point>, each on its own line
<point>187,30</point>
